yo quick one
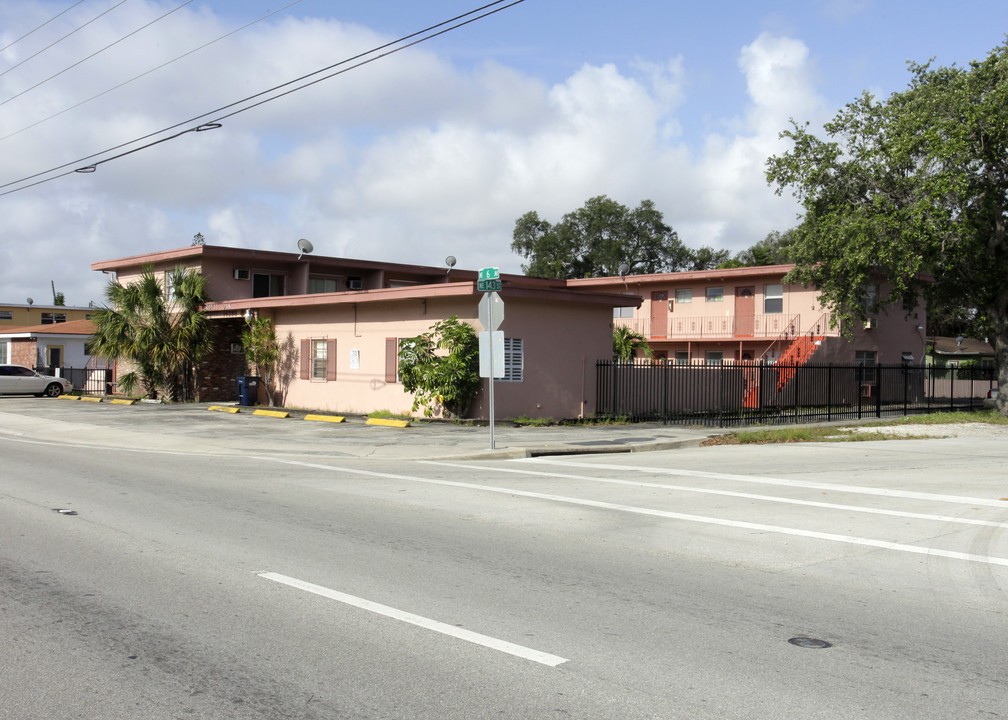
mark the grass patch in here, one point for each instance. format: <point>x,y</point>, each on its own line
<point>806,434</point>
<point>533,422</point>
<point>990,417</point>
<point>388,415</point>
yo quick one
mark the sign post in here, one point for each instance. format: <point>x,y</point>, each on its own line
<point>491,348</point>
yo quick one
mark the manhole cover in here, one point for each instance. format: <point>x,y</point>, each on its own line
<point>809,642</point>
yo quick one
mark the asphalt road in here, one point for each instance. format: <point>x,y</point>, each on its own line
<point>278,573</point>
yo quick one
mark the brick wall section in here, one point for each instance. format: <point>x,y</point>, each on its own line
<point>24,352</point>
<point>217,375</point>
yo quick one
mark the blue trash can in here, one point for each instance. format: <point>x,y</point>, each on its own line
<point>248,390</point>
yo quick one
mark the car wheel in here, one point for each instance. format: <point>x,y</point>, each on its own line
<point>54,390</point>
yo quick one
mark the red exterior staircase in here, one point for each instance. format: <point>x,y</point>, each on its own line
<point>797,353</point>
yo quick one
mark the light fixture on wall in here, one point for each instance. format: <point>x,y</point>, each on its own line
<point>304,246</point>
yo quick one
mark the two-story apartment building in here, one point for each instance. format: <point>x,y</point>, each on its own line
<point>341,321</point>
<point>752,314</point>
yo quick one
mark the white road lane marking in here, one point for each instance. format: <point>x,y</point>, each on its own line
<point>738,524</point>
<point>860,489</point>
<point>485,640</point>
<point>730,493</point>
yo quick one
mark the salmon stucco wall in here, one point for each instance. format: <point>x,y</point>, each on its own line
<point>562,341</point>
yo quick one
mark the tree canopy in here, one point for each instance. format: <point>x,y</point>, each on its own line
<point>162,335</point>
<point>594,240</point>
<point>915,187</point>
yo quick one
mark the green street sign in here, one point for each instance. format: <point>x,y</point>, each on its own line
<point>489,273</point>
<point>489,285</point>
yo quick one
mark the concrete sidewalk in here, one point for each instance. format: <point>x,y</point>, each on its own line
<point>194,428</point>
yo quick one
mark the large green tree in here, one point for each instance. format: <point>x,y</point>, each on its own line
<point>259,341</point>
<point>594,240</point>
<point>448,379</point>
<point>915,187</point>
<point>158,329</point>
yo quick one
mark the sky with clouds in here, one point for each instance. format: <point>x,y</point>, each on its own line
<point>431,151</point>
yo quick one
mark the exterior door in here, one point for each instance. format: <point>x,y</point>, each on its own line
<point>659,314</point>
<point>745,312</point>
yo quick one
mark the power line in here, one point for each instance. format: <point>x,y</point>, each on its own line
<point>54,17</point>
<point>57,42</point>
<point>98,52</point>
<point>389,49</point>
<point>148,72</point>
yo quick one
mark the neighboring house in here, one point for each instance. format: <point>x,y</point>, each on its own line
<point>956,352</point>
<point>339,322</point>
<point>751,314</point>
<point>29,315</point>
<point>62,345</point>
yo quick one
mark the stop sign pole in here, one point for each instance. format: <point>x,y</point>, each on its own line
<point>491,315</point>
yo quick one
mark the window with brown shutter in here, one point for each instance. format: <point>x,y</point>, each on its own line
<point>306,359</point>
<point>391,359</point>
<point>330,360</point>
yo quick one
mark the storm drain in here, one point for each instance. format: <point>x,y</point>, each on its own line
<point>807,642</point>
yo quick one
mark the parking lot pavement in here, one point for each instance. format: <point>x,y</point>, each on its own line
<point>194,427</point>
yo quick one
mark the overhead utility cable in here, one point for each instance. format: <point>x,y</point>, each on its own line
<point>427,34</point>
<point>148,72</point>
<point>54,17</point>
<point>57,42</point>
<point>97,52</point>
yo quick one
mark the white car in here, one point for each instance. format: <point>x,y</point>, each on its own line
<point>19,380</point>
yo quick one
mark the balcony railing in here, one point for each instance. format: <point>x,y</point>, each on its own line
<point>718,327</point>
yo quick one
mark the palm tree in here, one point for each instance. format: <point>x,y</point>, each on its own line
<point>627,342</point>
<point>162,338</point>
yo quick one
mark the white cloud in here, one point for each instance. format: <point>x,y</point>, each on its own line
<point>408,159</point>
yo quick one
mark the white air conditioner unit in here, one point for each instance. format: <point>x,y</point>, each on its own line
<point>354,284</point>
<point>241,274</point>
<point>869,323</point>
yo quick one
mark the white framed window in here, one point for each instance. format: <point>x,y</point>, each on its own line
<point>714,357</point>
<point>6,314</point>
<point>773,299</point>
<point>684,295</point>
<point>623,312</point>
<point>715,294</point>
<point>323,285</point>
<point>682,357</point>
<point>514,360</point>
<point>319,359</point>
<point>4,352</point>
<point>266,284</point>
<point>50,318</point>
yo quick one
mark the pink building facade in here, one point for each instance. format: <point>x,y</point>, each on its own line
<point>751,314</point>
<point>339,322</point>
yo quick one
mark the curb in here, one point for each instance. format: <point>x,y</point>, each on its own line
<point>221,408</point>
<point>326,418</point>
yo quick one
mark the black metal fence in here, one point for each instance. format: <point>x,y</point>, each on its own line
<point>742,394</point>
<point>91,381</point>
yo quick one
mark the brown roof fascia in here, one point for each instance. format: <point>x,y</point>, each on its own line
<point>536,291</point>
<point>246,254</point>
<point>71,327</point>
<point>413,292</point>
<point>686,276</point>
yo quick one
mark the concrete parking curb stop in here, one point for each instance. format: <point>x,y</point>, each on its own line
<point>388,423</point>
<point>326,418</point>
<point>222,408</point>
<point>272,413</point>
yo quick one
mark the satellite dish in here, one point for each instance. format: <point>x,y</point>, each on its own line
<point>623,269</point>
<point>450,262</point>
<point>304,246</point>
<point>30,301</point>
